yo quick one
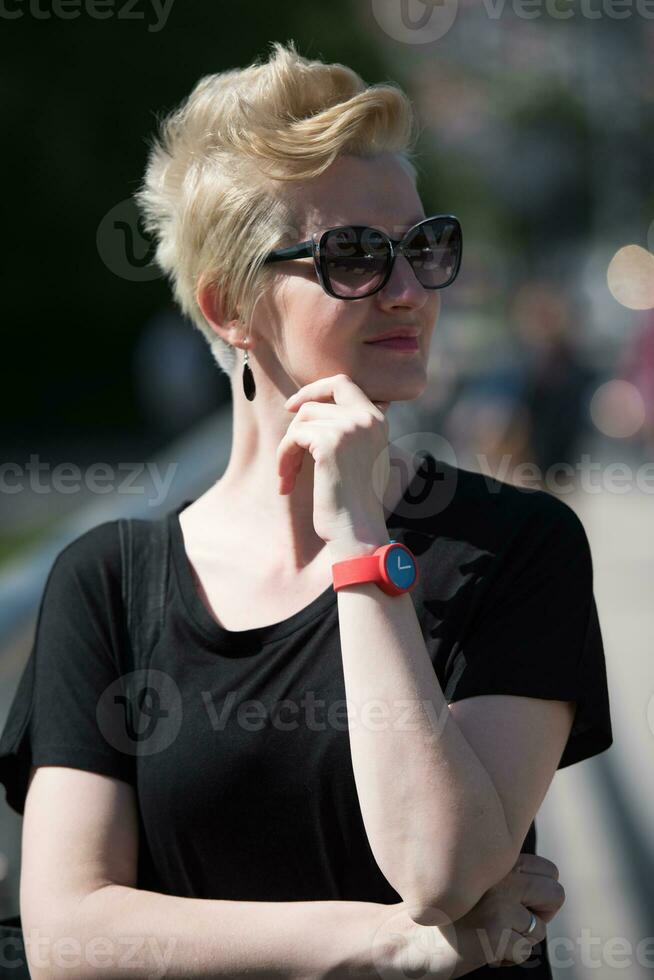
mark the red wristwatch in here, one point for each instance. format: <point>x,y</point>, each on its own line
<point>392,567</point>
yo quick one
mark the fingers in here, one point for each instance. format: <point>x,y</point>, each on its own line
<point>291,450</point>
<point>514,947</point>
<point>338,387</point>
<point>536,865</point>
<point>537,885</point>
<point>543,895</point>
<point>519,948</point>
<point>315,427</point>
<point>538,933</point>
<point>510,946</point>
<point>323,411</point>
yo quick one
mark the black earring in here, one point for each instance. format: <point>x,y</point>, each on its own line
<point>249,386</point>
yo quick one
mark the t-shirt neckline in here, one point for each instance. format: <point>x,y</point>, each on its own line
<point>214,631</point>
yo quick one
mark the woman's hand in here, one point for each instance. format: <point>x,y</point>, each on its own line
<point>347,435</point>
<point>490,933</point>
<point>493,931</point>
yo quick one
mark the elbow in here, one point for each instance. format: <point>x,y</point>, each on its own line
<point>458,892</point>
<point>458,895</point>
<point>446,907</point>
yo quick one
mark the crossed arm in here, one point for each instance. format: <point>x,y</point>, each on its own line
<point>447,792</point>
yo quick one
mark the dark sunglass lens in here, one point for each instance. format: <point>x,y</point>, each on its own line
<point>355,260</point>
<point>434,251</point>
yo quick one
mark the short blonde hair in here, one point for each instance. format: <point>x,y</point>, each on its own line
<point>213,196</point>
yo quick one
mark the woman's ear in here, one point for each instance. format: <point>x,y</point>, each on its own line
<point>211,302</point>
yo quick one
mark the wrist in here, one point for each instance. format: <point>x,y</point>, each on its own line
<point>355,545</point>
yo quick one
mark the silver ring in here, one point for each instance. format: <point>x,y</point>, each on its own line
<point>532,925</point>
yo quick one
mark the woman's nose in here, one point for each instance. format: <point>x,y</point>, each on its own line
<point>403,285</point>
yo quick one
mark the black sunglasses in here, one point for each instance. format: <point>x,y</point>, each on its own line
<point>354,261</point>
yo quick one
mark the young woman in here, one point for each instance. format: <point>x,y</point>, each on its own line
<point>333,774</point>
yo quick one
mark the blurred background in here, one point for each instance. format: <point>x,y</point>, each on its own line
<point>537,132</point>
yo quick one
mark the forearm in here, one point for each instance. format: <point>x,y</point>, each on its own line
<point>434,820</point>
<point>119,931</point>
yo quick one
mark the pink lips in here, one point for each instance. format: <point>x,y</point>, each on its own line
<point>397,343</point>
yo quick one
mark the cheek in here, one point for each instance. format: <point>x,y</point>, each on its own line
<point>295,309</point>
<point>431,320</point>
<point>313,323</point>
<point>326,322</point>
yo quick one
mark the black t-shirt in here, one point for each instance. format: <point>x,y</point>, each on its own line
<point>246,791</point>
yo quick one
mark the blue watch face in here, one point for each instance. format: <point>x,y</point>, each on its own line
<point>401,567</point>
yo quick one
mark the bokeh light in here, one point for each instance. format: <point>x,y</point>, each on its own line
<point>630,277</point>
<point>617,409</point>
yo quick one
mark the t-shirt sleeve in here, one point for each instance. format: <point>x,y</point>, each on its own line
<point>536,632</point>
<point>56,715</point>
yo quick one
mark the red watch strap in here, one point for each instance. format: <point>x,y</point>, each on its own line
<point>351,571</point>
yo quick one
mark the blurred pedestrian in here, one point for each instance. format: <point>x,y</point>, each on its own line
<point>556,386</point>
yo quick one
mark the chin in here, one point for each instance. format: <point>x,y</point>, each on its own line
<point>402,391</point>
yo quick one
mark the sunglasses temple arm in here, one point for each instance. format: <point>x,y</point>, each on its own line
<point>290,252</point>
